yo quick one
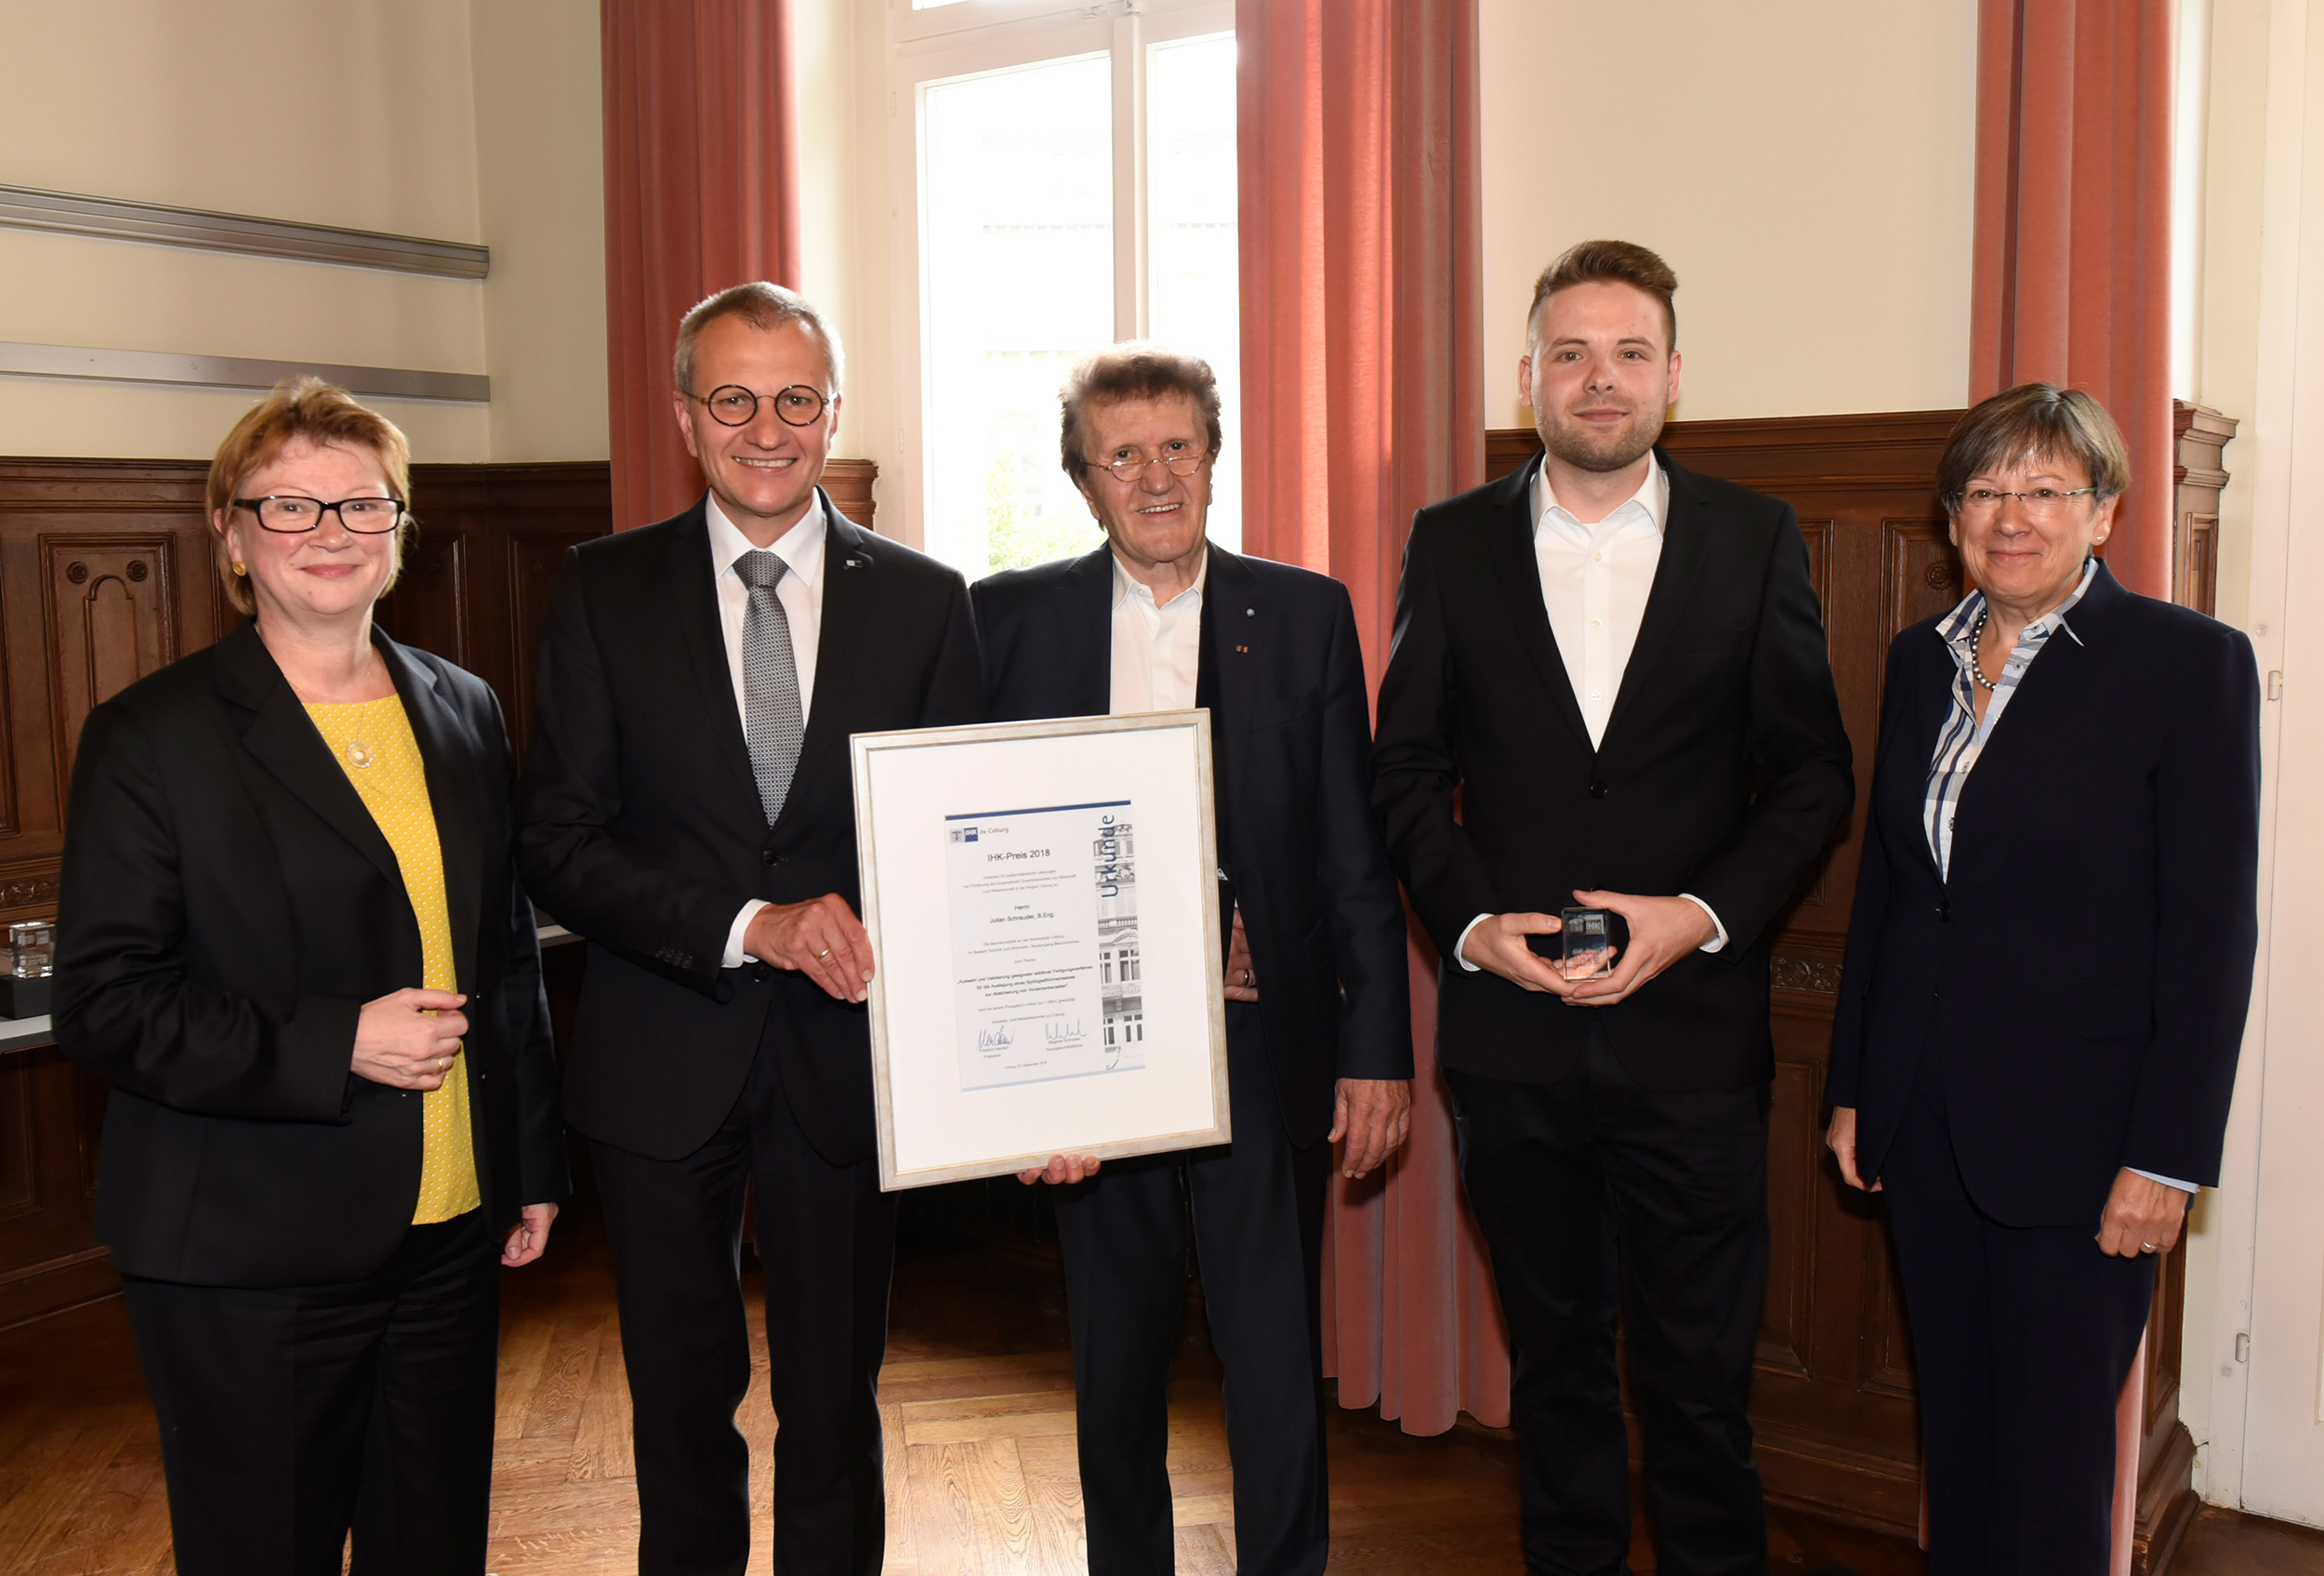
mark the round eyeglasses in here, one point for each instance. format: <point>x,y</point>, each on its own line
<point>731,404</point>
<point>1131,469</point>
<point>366,517</point>
<point>2039,502</point>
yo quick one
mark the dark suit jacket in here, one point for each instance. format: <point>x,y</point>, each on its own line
<point>1724,769</point>
<point>1319,904</point>
<point>229,905</point>
<point>2084,971</point>
<point>642,828</point>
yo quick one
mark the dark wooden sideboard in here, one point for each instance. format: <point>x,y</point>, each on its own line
<point>104,575</point>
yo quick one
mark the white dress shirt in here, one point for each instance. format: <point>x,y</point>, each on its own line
<point>800,591</point>
<point>1595,580</point>
<point>1157,650</point>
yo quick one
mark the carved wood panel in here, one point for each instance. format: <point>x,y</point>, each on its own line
<point>431,596</point>
<point>535,558</point>
<point>18,1140</point>
<point>111,620</point>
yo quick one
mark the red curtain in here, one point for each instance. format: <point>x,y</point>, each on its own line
<point>701,192</point>
<point>2073,231</point>
<point>1363,400</point>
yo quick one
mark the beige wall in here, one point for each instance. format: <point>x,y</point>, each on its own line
<point>485,129</point>
<point>1806,166</point>
<point>541,176</point>
<point>843,209</point>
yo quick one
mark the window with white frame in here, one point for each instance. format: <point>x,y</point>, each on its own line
<point>1073,180</point>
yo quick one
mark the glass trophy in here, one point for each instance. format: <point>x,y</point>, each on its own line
<point>24,986</point>
<point>33,950</point>
<point>1588,952</point>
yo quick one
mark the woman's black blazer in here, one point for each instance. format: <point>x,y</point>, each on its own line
<point>227,908</point>
<point>2083,974</point>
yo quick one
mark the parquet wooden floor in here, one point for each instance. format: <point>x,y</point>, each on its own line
<point>978,1402</point>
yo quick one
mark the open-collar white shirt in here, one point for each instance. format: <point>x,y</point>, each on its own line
<point>801,592</point>
<point>1594,582</point>
<point>1156,649</point>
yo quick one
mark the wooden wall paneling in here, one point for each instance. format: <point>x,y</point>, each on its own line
<point>850,482</point>
<point>111,620</point>
<point>1834,1399</point>
<point>104,575</point>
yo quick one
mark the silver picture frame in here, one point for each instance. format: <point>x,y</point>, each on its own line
<point>1097,1026</point>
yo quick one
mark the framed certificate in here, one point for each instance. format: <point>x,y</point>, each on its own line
<point>1043,904</point>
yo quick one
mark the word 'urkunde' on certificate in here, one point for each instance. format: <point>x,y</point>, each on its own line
<point>1044,943</point>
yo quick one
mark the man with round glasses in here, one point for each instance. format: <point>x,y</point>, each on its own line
<point>1318,1016</point>
<point>688,806</point>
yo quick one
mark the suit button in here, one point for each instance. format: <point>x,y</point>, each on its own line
<point>1945,912</point>
<point>769,856</point>
<point>1597,790</point>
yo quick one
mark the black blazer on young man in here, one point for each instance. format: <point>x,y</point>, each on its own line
<point>229,906</point>
<point>1295,834</point>
<point>1722,771</point>
<point>643,830</point>
<point>2082,972</point>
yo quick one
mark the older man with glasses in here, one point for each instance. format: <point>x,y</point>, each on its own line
<point>1319,1047</point>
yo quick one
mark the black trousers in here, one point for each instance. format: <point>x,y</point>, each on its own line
<point>2022,1338</point>
<point>826,1237</point>
<point>1592,1187</point>
<point>1257,1211</point>
<point>291,1414</point>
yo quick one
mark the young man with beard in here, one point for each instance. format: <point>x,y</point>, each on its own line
<point>1609,687</point>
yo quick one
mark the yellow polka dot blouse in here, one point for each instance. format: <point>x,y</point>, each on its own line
<point>372,742</point>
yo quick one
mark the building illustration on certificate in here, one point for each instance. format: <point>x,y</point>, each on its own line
<point>1120,995</point>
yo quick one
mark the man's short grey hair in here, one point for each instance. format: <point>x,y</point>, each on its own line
<point>763,305</point>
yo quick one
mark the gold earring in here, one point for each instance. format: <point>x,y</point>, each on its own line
<point>241,568</point>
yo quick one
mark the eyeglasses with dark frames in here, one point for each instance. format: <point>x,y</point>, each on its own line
<point>290,514</point>
<point>731,404</point>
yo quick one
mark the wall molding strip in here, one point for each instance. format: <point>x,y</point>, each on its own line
<point>25,207</point>
<point>23,359</point>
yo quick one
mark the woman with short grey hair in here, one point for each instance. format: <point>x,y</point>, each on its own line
<point>2067,784</point>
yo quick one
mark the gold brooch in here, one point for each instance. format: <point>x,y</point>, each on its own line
<point>360,754</point>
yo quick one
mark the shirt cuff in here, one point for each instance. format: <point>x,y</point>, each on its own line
<point>2186,1188</point>
<point>1716,942</point>
<point>736,958</point>
<point>1460,955</point>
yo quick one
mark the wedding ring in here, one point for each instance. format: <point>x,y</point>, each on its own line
<point>1245,979</point>
<point>2148,1248</point>
<point>825,953</point>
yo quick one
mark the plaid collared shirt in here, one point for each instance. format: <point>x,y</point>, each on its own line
<point>1962,740</point>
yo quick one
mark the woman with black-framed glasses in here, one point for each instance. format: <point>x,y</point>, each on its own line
<point>292,940</point>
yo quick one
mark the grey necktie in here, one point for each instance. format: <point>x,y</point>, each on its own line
<point>771,709</point>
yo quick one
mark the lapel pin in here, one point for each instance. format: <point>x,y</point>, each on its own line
<point>1246,650</point>
<point>1251,613</point>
